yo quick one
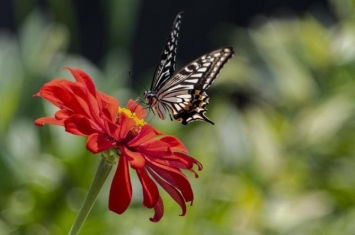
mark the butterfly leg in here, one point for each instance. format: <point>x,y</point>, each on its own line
<point>140,100</point>
<point>143,102</point>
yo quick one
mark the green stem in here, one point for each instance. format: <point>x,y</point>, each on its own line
<point>101,174</point>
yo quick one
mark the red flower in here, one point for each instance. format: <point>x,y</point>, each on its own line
<point>153,155</point>
<point>82,110</point>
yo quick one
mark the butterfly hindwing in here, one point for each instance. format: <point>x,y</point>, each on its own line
<point>194,109</point>
<point>166,67</point>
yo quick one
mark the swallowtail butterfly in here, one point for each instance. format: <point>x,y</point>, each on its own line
<point>183,94</point>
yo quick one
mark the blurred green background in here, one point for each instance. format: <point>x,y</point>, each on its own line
<point>280,159</point>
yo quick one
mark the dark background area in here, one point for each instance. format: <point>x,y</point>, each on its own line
<point>89,31</point>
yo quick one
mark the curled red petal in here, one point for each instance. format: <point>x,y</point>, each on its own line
<point>180,160</point>
<point>98,142</point>
<point>174,177</point>
<point>150,189</point>
<point>158,211</point>
<point>121,188</point>
<point>171,190</point>
<point>188,161</point>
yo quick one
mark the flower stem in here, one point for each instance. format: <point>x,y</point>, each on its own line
<point>101,174</point>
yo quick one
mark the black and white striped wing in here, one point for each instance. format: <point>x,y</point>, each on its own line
<point>184,93</point>
<point>166,67</point>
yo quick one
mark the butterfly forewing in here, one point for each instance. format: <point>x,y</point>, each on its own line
<point>200,73</point>
<point>166,67</point>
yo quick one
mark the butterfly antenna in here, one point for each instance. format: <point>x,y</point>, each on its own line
<point>136,80</point>
<point>139,100</point>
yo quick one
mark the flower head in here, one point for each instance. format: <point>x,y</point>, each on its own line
<point>156,158</point>
<point>82,110</point>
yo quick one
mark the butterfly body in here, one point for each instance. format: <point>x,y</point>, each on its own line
<point>183,94</point>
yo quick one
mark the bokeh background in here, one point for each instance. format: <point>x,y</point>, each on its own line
<point>280,158</point>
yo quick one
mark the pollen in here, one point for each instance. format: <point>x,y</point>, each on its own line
<point>139,122</point>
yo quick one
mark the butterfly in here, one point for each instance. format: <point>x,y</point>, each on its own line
<point>183,94</point>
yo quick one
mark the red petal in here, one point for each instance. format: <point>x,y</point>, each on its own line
<point>158,132</point>
<point>158,211</point>
<point>171,190</point>
<point>66,94</point>
<point>175,143</point>
<point>48,120</point>
<point>86,101</point>
<point>188,161</point>
<point>144,135</point>
<point>56,92</point>
<point>84,78</point>
<point>63,114</point>
<point>126,125</point>
<point>136,159</point>
<point>121,188</point>
<point>98,142</point>
<point>54,82</point>
<point>178,160</point>
<point>155,148</point>
<point>174,177</point>
<point>79,125</point>
<point>111,129</point>
<point>150,189</point>
<point>110,104</point>
<point>137,109</point>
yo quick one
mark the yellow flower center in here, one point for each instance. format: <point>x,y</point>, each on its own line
<point>139,122</point>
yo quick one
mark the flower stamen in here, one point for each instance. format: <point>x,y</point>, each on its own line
<point>139,122</point>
